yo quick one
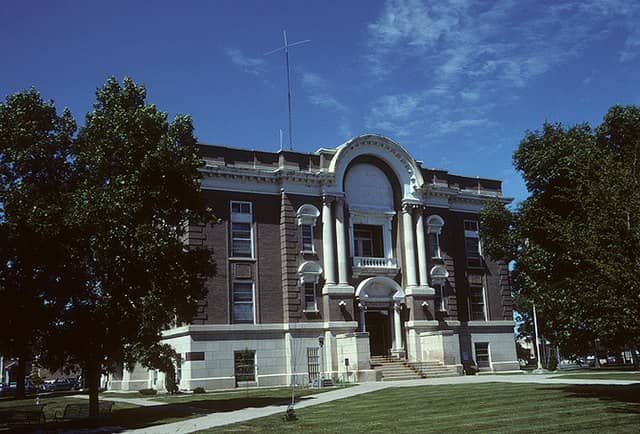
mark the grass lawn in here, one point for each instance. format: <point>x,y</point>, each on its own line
<point>179,407</point>
<point>490,407</point>
<point>599,375</point>
<point>253,396</point>
<point>55,403</point>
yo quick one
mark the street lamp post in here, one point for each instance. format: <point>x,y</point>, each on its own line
<point>535,325</point>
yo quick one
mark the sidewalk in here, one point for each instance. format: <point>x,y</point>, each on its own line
<point>143,402</point>
<point>226,418</point>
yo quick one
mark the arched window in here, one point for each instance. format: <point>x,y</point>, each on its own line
<point>434,228</point>
<point>309,273</point>
<point>307,217</point>
<point>439,275</point>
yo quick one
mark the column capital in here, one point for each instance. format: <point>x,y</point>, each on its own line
<point>410,207</point>
<point>327,199</point>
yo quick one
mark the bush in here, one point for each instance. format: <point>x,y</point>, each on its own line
<point>199,390</point>
<point>148,391</point>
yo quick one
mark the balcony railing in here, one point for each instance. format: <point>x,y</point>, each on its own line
<point>369,265</point>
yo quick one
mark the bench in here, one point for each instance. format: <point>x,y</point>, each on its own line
<point>22,415</point>
<point>81,411</point>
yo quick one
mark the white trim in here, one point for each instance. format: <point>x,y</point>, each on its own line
<point>491,323</point>
<point>257,328</point>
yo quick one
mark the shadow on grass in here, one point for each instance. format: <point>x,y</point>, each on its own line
<point>627,395</point>
<point>141,417</point>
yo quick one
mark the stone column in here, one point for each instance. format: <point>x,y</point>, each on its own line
<point>422,249</point>
<point>409,251</point>
<point>341,243</point>
<point>397,332</point>
<point>363,326</point>
<point>327,241</point>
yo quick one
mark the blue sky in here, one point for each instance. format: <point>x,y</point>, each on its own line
<point>456,82</point>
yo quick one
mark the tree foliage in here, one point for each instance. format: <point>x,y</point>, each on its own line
<point>575,241</point>
<point>129,191</point>
<point>35,147</point>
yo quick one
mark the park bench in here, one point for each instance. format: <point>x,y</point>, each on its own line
<point>22,415</point>
<point>81,411</point>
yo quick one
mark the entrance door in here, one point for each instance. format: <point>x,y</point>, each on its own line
<point>378,326</point>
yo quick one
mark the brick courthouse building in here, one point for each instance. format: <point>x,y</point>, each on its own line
<point>358,245</point>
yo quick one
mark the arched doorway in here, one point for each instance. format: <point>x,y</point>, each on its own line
<point>379,300</point>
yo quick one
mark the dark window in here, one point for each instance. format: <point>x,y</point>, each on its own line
<point>241,230</point>
<point>310,302</point>
<point>307,238</point>
<point>472,243</point>
<point>313,364</point>
<point>244,365</point>
<point>367,241</point>
<point>243,302</point>
<point>482,355</point>
<point>434,245</point>
<point>476,303</point>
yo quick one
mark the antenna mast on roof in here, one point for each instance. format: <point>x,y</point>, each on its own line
<point>286,47</point>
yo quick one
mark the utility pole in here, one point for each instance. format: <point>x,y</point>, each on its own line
<point>286,47</point>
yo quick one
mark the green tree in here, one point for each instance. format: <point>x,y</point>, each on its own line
<point>35,170</point>
<point>575,240</point>
<point>137,190</point>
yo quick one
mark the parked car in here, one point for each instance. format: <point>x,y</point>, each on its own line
<point>58,384</point>
<point>10,389</point>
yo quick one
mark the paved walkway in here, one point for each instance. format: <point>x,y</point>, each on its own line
<point>143,402</point>
<point>226,418</point>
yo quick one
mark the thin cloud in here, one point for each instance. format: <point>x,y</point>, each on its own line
<point>251,65</point>
<point>319,94</point>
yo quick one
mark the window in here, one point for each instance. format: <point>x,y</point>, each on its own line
<point>243,302</point>
<point>241,230</point>
<point>482,355</point>
<point>244,365</point>
<point>442,305</point>
<point>310,302</point>
<point>307,238</point>
<point>434,228</point>
<point>472,243</point>
<point>476,303</point>
<point>367,241</point>
<point>313,364</point>
<point>307,217</point>
<point>309,273</point>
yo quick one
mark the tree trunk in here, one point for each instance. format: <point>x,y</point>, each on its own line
<point>634,357</point>
<point>93,383</point>
<point>21,373</point>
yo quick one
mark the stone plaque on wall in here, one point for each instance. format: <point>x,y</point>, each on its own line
<point>242,271</point>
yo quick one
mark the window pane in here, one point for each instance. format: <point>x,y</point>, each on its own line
<point>470,225</point>
<point>310,296</point>
<point>243,302</point>
<point>241,248</point>
<point>476,302</point>
<point>242,313</point>
<point>434,248</point>
<point>241,230</point>
<point>482,354</point>
<point>307,238</point>
<point>472,247</point>
<point>244,365</point>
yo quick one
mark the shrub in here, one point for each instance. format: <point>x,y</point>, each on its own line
<point>198,390</point>
<point>148,391</point>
